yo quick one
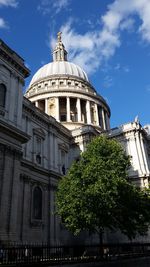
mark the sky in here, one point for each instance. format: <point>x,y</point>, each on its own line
<point>109,39</point>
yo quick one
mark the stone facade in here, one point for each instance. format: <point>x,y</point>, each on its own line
<point>41,133</point>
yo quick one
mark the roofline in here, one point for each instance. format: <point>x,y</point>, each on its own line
<point>14,59</point>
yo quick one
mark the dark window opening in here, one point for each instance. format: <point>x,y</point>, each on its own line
<point>41,104</point>
<point>38,159</point>
<point>37,203</point>
<point>62,108</point>
<point>63,117</point>
<point>63,169</point>
<point>2,95</point>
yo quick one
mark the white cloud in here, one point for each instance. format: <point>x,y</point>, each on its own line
<point>127,24</point>
<point>47,6</point>
<point>11,3</point>
<point>91,49</point>
<point>81,48</point>
<point>6,3</point>
<point>2,23</point>
<point>118,17</point>
<point>58,5</point>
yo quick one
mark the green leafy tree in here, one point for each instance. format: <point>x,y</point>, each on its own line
<point>96,194</point>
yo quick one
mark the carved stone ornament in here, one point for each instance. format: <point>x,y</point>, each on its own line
<point>52,100</point>
<point>39,132</point>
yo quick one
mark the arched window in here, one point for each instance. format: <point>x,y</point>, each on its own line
<point>37,203</point>
<point>2,95</point>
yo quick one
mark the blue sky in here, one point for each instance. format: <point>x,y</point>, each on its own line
<point>109,39</point>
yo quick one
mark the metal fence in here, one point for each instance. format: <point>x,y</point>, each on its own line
<point>45,254</point>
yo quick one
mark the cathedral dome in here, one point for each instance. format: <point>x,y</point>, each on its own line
<point>62,90</point>
<point>59,68</point>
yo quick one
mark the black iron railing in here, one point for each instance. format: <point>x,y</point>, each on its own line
<point>34,253</point>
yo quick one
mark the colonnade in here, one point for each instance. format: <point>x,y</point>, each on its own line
<point>71,109</point>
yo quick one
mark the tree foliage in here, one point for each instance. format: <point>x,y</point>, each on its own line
<point>96,194</point>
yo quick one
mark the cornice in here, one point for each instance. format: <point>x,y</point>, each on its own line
<point>29,179</point>
<point>9,150</point>
<point>39,169</point>
<point>62,76</point>
<point>14,59</point>
<point>58,89</point>
<point>13,132</point>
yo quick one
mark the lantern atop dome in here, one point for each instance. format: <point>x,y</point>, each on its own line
<point>59,53</point>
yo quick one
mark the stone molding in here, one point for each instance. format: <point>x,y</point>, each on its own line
<point>2,111</point>
<point>33,182</point>
<point>9,150</point>
<point>14,132</point>
<point>13,59</point>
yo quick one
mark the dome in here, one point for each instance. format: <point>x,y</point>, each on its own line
<point>59,68</point>
<point>62,90</point>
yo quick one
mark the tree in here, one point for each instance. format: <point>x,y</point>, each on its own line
<point>96,194</point>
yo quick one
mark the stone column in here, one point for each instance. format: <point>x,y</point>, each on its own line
<point>146,160</point>
<point>139,153</point>
<point>46,105</point>
<point>36,104</point>
<point>96,115</point>
<point>68,108</point>
<point>57,109</point>
<point>79,109</point>
<point>103,119</point>
<point>144,151</point>
<point>88,112</point>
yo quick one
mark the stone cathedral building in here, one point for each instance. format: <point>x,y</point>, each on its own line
<point>42,132</point>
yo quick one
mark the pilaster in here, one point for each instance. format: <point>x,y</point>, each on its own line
<point>9,194</point>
